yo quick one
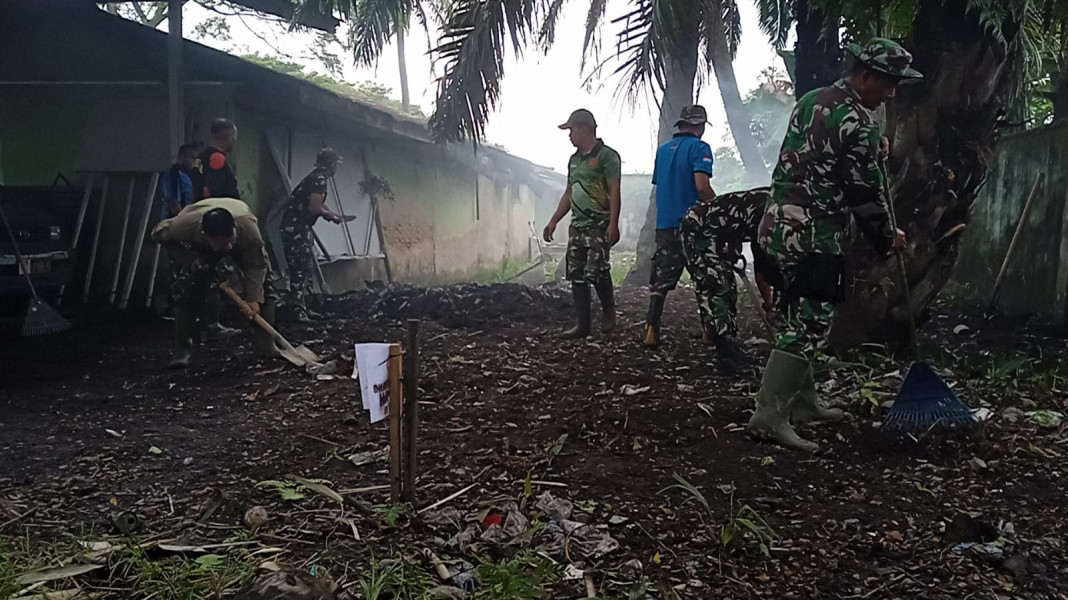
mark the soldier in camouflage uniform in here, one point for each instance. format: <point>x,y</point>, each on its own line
<point>712,235</point>
<point>829,168</point>
<point>306,204</point>
<point>592,198</point>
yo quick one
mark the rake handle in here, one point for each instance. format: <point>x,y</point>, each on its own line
<point>18,254</point>
<point>900,256</point>
<point>263,324</point>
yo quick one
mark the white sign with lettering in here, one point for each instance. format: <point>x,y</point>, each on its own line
<point>372,365</point>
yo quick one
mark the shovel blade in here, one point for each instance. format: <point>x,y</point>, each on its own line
<point>306,354</point>
<point>293,357</point>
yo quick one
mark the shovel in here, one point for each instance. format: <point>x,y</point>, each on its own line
<point>299,356</point>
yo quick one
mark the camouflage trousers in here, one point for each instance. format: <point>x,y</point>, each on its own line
<point>588,256</point>
<point>200,289</point>
<point>668,261</point>
<point>805,322</point>
<point>712,269</point>
<point>300,257</point>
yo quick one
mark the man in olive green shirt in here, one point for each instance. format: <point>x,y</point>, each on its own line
<point>203,242</point>
<point>592,198</point>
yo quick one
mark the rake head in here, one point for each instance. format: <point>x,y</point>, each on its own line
<point>924,402</point>
<point>42,319</point>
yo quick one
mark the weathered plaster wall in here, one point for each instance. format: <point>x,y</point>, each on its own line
<point>1037,277</point>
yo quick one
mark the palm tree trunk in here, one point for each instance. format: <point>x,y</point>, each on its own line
<point>737,116</point>
<point>945,128</point>
<point>816,50</point>
<point>680,73</point>
<point>402,62</point>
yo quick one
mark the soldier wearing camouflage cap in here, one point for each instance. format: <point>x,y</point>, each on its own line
<point>829,168</point>
<point>306,204</point>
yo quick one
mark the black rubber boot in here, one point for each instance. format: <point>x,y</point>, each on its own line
<point>264,344</point>
<point>183,338</point>
<point>652,319</point>
<point>731,360</point>
<point>606,293</point>
<point>213,329</point>
<point>581,294</point>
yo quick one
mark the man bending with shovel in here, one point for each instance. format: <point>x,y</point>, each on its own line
<point>828,169</point>
<point>204,242</point>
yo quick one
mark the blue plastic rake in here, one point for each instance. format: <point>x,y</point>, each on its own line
<point>924,401</point>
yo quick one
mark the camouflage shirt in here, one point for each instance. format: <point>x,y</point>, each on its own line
<point>828,168</point>
<point>296,214</point>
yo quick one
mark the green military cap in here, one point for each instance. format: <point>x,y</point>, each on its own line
<point>886,56</point>
<point>694,115</point>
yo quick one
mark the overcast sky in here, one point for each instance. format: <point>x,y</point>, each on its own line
<point>538,91</point>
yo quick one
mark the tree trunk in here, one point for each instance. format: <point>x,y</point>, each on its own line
<point>816,50</point>
<point>1059,96</point>
<point>944,128</point>
<point>678,92</point>
<point>737,116</point>
<point>402,62</point>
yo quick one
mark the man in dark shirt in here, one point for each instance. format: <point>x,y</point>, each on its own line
<point>176,186</point>
<point>306,204</point>
<point>214,176</point>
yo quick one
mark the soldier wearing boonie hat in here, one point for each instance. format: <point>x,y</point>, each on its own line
<point>592,198</point>
<point>829,170</point>
<point>306,204</point>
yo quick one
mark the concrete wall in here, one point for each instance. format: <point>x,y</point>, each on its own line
<point>1037,278</point>
<point>442,222</point>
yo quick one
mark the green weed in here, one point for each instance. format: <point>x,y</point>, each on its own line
<point>389,513</point>
<point>520,578</point>
<point>743,521</point>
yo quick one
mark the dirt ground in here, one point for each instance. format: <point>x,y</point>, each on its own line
<point>93,424</point>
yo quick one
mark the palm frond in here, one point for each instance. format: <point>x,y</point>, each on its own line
<point>473,46</point>
<point>652,33</point>
<point>776,19</point>
<point>594,19</point>
<point>547,35</point>
<point>373,24</point>
<point>732,25</point>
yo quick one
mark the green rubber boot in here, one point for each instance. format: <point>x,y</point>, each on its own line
<point>783,378</point>
<point>184,320</point>
<point>807,409</point>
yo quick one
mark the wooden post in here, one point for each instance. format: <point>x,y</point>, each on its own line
<point>996,294</point>
<point>395,409</point>
<point>411,410</point>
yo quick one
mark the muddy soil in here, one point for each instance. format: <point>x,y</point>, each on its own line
<point>92,423</point>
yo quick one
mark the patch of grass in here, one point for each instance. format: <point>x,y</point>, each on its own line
<point>520,578</point>
<point>187,578</point>
<point>396,580</point>
<point>507,269</point>
<point>742,522</point>
<point>622,263</point>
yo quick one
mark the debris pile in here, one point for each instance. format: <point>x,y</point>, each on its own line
<point>457,306</point>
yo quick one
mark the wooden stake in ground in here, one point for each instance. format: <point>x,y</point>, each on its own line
<point>411,410</point>
<point>396,357</point>
<point>996,294</point>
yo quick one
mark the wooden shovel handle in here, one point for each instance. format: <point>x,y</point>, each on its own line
<point>264,325</point>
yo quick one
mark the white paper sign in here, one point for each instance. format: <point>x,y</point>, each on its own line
<point>372,364</point>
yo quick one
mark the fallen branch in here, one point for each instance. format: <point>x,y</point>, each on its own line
<point>447,499</point>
